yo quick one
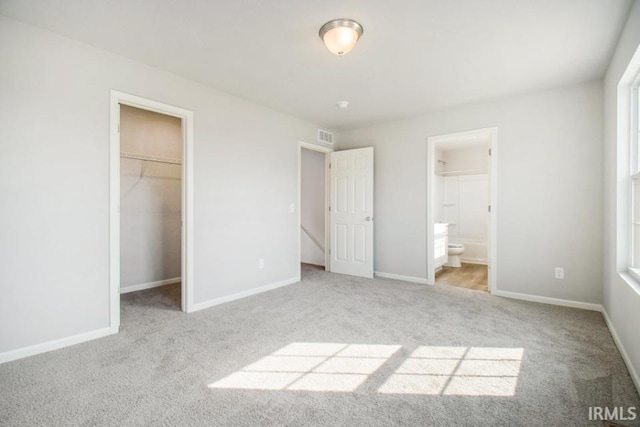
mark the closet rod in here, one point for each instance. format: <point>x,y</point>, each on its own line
<point>462,172</point>
<point>150,158</point>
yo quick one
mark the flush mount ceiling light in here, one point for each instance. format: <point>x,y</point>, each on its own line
<point>340,35</point>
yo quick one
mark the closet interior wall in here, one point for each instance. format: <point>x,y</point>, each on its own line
<point>150,198</point>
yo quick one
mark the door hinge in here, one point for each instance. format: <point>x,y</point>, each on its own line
<point>329,165</point>
<point>118,127</point>
<point>329,208</point>
<point>489,208</point>
<point>489,151</point>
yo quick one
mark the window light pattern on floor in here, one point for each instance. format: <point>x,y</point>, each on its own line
<point>311,367</point>
<point>335,367</point>
<point>457,371</point>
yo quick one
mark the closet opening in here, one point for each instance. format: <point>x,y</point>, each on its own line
<point>313,164</point>
<point>151,201</point>
<point>461,209</point>
<point>150,205</point>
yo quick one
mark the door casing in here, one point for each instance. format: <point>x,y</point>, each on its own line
<point>118,98</point>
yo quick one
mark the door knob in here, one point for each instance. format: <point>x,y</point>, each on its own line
<point>368,218</point>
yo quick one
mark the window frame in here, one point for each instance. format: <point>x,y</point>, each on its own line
<point>634,179</point>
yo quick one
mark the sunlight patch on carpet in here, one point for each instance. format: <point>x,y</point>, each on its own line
<point>457,371</point>
<point>328,367</point>
<point>339,367</point>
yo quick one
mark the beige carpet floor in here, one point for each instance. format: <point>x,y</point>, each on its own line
<point>330,350</point>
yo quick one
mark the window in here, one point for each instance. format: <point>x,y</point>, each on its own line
<point>634,265</point>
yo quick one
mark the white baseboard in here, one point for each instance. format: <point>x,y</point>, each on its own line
<point>411,279</point>
<point>548,300</point>
<point>479,261</point>
<point>143,286</point>
<point>53,345</point>
<point>627,360</point>
<point>243,294</point>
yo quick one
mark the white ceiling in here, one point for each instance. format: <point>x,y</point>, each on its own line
<point>415,55</point>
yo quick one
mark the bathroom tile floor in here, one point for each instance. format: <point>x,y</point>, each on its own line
<point>469,276</point>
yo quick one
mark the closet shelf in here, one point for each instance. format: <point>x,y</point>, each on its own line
<point>135,156</point>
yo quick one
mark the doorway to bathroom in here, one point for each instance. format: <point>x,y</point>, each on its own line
<point>461,195</point>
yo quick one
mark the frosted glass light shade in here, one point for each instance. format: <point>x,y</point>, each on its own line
<point>340,35</point>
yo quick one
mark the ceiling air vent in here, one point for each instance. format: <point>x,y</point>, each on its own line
<point>325,136</point>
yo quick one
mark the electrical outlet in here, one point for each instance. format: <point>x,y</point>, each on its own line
<point>559,273</point>
<point>261,263</point>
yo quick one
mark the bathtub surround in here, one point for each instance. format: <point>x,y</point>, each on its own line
<point>463,205</point>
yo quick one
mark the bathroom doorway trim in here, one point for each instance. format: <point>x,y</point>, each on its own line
<point>120,98</point>
<point>492,134</point>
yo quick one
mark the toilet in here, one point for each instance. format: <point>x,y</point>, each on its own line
<point>454,251</point>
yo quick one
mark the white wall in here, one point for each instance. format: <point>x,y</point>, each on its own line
<point>54,185</point>
<point>621,299</point>
<point>549,189</point>
<point>150,198</point>
<point>312,200</point>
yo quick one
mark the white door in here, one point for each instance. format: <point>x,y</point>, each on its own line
<point>351,212</point>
